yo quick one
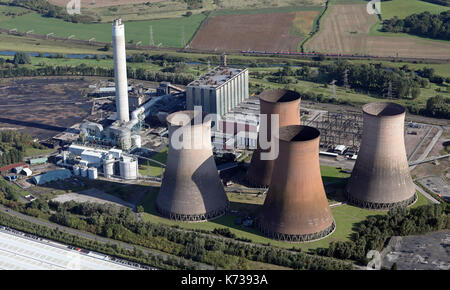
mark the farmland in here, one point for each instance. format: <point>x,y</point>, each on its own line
<point>347,29</point>
<point>168,32</point>
<point>271,31</point>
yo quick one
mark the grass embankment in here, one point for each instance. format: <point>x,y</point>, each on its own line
<point>346,216</point>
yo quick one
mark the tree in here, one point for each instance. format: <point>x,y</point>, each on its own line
<point>394,266</point>
<point>22,58</point>
<point>140,208</point>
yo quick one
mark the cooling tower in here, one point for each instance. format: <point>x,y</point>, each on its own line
<point>120,70</point>
<point>381,177</point>
<point>296,208</point>
<point>191,189</point>
<point>287,105</point>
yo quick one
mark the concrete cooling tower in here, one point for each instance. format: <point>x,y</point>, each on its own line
<point>296,208</point>
<point>381,177</point>
<point>191,189</point>
<point>286,104</point>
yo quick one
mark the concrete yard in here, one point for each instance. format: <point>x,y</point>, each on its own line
<point>92,195</point>
<point>22,253</point>
<point>425,252</point>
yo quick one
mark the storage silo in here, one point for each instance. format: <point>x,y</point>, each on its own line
<point>286,104</point>
<point>83,171</point>
<point>381,178</point>
<point>296,208</point>
<point>108,165</point>
<point>76,170</point>
<point>128,167</point>
<point>191,189</point>
<point>92,173</point>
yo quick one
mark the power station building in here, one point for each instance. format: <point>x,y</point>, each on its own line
<point>285,104</point>
<point>296,208</point>
<point>191,188</point>
<point>381,178</point>
<point>218,91</point>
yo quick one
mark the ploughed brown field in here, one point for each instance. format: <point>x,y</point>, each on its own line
<point>101,3</point>
<point>346,29</point>
<point>262,32</point>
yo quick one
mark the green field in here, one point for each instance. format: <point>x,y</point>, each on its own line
<point>154,169</point>
<point>401,9</point>
<point>346,216</point>
<point>168,32</point>
<point>354,97</point>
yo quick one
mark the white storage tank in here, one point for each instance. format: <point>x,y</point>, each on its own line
<point>136,141</point>
<point>108,166</point>
<point>83,171</point>
<point>92,173</point>
<point>128,167</point>
<point>76,170</point>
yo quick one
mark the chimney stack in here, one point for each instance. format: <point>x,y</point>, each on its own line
<point>120,70</point>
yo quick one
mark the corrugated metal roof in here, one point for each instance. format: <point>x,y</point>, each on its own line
<point>52,176</point>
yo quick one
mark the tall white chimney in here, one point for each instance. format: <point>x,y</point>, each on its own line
<point>120,70</point>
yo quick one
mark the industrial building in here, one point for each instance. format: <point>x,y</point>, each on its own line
<point>296,208</point>
<point>218,91</point>
<point>52,176</point>
<point>239,127</point>
<point>91,161</point>
<point>191,189</point>
<point>285,104</point>
<point>381,178</point>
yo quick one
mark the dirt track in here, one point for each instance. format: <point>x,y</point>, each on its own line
<point>346,29</point>
<point>269,31</point>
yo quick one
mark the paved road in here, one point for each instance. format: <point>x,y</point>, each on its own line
<point>424,193</point>
<point>430,146</point>
<point>420,143</point>
<point>95,237</point>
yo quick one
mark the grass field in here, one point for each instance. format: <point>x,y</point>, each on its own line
<point>168,32</point>
<point>347,28</point>
<point>346,216</point>
<point>154,169</point>
<point>354,97</point>
<point>401,9</point>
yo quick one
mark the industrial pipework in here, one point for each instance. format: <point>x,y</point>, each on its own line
<point>286,104</point>
<point>381,178</point>
<point>120,70</point>
<point>296,208</point>
<point>191,189</point>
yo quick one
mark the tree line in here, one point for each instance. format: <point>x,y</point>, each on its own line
<point>120,224</point>
<point>85,70</point>
<point>422,24</point>
<point>13,145</point>
<point>373,233</point>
